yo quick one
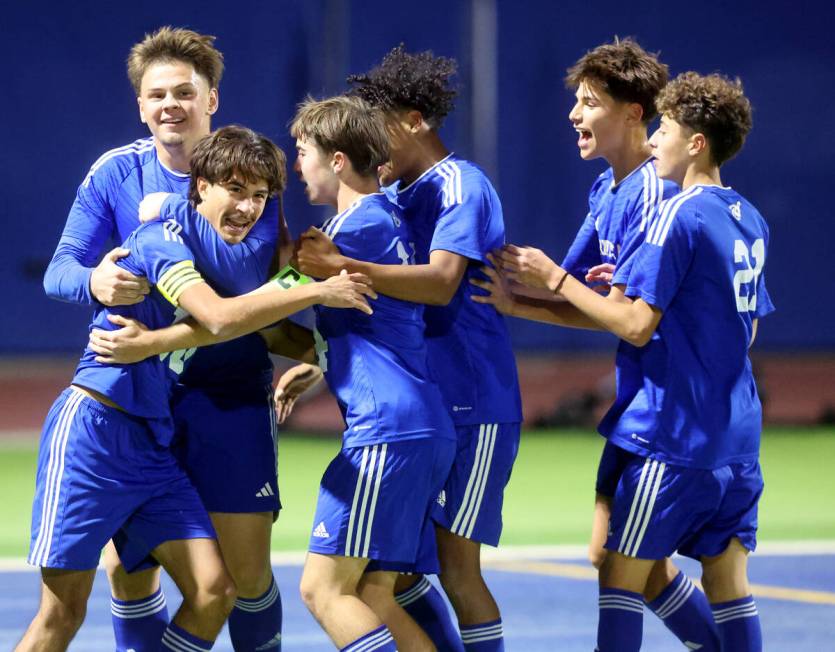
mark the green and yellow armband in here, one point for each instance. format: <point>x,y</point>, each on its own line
<point>289,277</point>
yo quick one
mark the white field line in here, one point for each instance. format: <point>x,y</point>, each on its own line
<point>525,553</point>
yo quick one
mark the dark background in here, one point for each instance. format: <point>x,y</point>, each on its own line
<point>66,100</point>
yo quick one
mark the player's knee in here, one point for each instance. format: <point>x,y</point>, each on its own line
<point>252,579</point>
<point>312,595</point>
<point>65,617</point>
<point>215,598</point>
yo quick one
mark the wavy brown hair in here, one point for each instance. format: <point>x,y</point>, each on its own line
<point>624,70</point>
<point>236,150</point>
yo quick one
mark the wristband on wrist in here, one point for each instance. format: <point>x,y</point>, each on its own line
<point>561,281</point>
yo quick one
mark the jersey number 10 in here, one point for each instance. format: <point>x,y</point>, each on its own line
<point>746,300</point>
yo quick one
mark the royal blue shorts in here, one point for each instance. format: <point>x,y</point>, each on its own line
<point>470,504</point>
<point>660,508</point>
<point>101,475</point>
<point>375,501</point>
<point>227,443</point>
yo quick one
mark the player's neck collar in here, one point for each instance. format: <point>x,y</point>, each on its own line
<point>615,185</point>
<point>426,171</point>
<point>179,175</point>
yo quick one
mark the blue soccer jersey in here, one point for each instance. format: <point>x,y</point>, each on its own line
<point>453,207</point>
<point>688,397</point>
<point>167,252</point>
<point>376,365</point>
<point>617,218</point>
<point>106,209</point>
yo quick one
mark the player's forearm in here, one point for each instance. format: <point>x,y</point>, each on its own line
<point>631,321</point>
<point>561,313</point>
<point>417,283</point>
<point>227,319</point>
<point>66,277</point>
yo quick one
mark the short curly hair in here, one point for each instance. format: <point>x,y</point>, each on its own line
<point>713,105</point>
<point>624,70</point>
<point>408,81</point>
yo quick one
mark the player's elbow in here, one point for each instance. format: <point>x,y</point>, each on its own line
<point>221,324</point>
<point>638,334</point>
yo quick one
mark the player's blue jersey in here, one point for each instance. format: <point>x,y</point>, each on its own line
<point>376,365</point>
<point>453,206</point>
<point>617,218</point>
<point>688,397</point>
<point>106,209</point>
<point>169,252</point>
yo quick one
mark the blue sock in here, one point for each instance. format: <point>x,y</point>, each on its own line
<point>486,637</point>
<point>425,604</point>
<point>739,625</point>
<point>255,623</point>
<point>621,621</point>
<point>378,640</point>
<point>685,611</point>
<point>139,624</point>
<point>177,639</point>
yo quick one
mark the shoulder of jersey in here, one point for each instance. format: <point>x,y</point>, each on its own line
<point>681,207</point>
<point>122,160</point>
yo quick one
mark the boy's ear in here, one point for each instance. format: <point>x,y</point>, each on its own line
<point>338,161</point>
<point>635,112</point>
<point>415,120</point>
<point>202,187</point>
<point>697,144</point>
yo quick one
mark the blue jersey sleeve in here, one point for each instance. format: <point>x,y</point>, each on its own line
<point>764,304</point>
<point>462,224</point>
<point>90,224</point>
<point>164,258</point>
<point>370,236</point>
<point>661,263</point>
<point>584,252</point>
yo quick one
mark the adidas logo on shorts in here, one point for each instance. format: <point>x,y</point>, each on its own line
<point>320,531</point>
<point>265,492</point>
<point>441,500</point>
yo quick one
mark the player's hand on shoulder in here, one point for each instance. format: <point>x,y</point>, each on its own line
<point>347,291</point>
<point>125,345</point>
<point>293,383</point>
<point>316,255</point>
<point>112,285</point>
<point>498,292</point>
<point>151,206</point>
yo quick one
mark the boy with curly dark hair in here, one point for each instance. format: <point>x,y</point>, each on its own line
<point>455,218</point>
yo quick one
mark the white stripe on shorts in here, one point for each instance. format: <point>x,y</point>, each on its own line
<point>467,514</point>
<point>641,509</point>
<point>358,539</point>
<point>54,474</point>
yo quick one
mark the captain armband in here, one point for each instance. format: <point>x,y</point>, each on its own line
<point>289,277</point>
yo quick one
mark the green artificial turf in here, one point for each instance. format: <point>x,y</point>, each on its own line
<point>549,499</point>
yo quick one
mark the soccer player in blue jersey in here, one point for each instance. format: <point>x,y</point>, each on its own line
<point>398,446</point>
<point>175,73</point>
<point>455,218</point>
<point>615,88</point>
<point>105,468</point>
<point>687,416</point>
